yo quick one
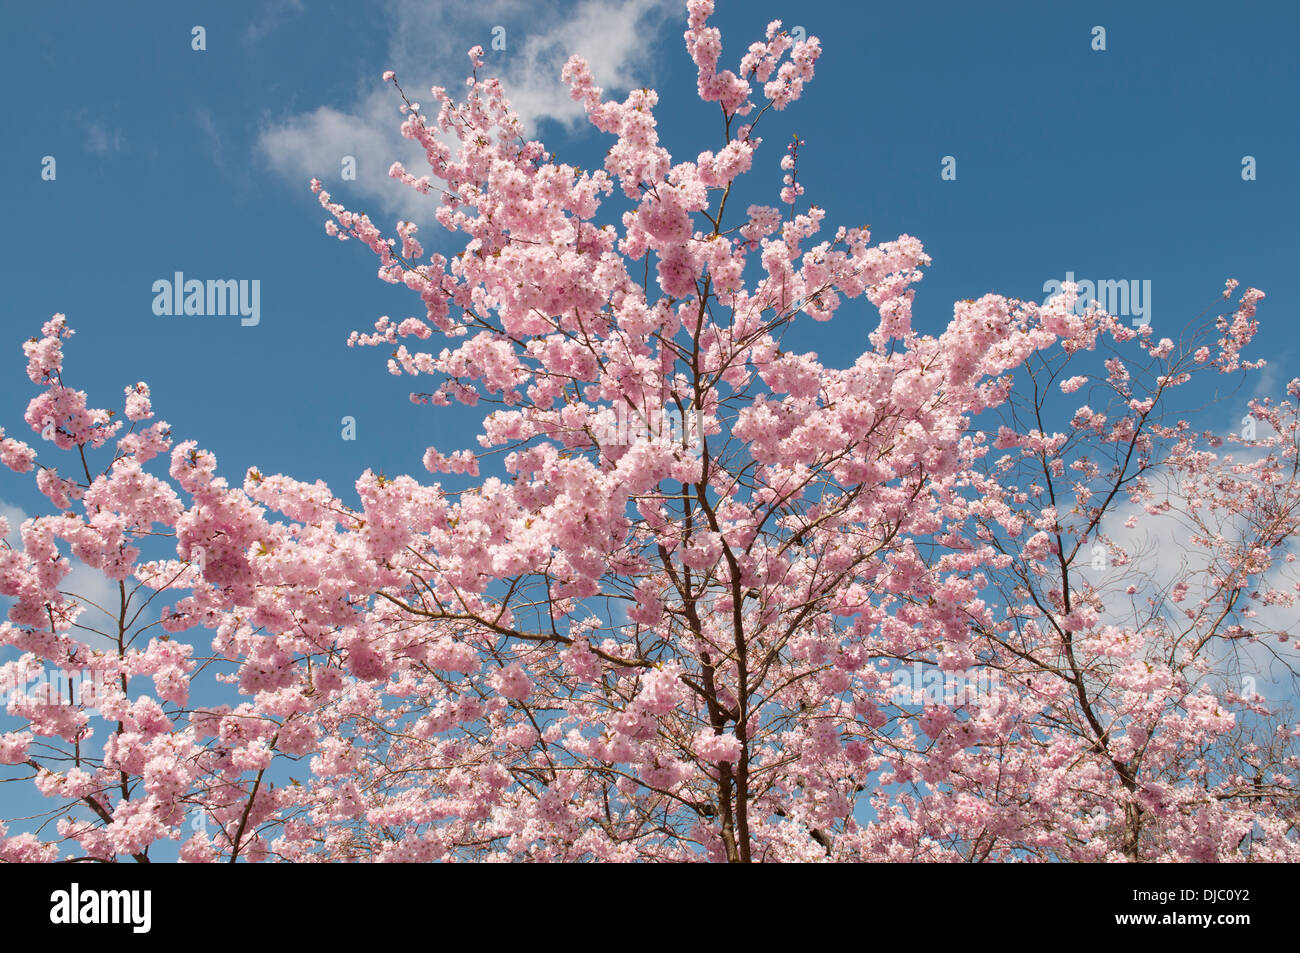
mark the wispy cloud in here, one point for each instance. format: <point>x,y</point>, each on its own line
<point>271,16</point>
<point>1159,555</point>
<point>90,587</point>
<point>427,47</point>
<point>207,125</point>
<point>100,139</point>
<point>14,516</point>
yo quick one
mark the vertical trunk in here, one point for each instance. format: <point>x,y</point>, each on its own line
<point>742,797</point>
<point>1132,832</point>
<point>725,779</point>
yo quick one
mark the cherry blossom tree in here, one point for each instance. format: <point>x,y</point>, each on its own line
<point>680,613</point>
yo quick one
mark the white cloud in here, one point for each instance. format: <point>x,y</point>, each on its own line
<point>89,586</point>
<point>427,47</point>
<point>96,592</point>
<point>314,144</point>
<point>616,39</point>
<point>14,515</point>
<point>1160,554</point>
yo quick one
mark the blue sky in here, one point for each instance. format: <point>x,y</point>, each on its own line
<point>1120,164</point>
<point>1116,164</point>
